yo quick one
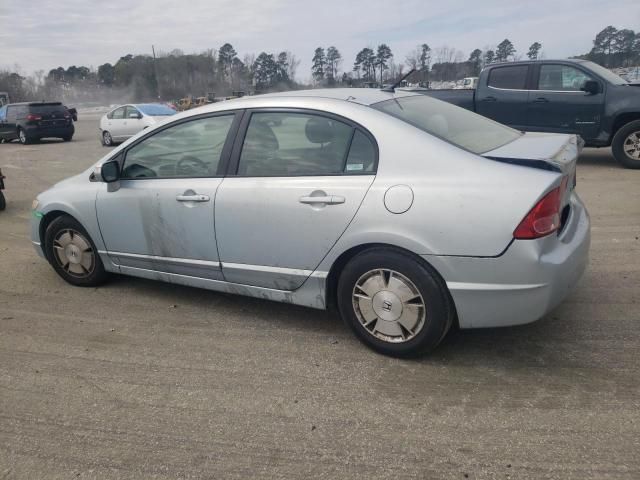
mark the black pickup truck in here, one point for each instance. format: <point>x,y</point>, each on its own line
<point>563,96</point>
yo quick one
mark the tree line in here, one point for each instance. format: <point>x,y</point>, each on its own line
<point>172,75</point>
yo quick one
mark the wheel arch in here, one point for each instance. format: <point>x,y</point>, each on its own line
<point>621,120</point>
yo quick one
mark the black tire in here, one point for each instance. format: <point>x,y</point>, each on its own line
<point>439,312</point>
<point>93,274</point>
<point>67,138</point>
<point>107,139</point>
<point>618,145</point>
<point>3,202</point>
<point>23,138</point>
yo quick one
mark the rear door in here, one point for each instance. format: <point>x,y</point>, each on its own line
<point>505,97</point>
<point>559,105</point>
<point>296,181</point>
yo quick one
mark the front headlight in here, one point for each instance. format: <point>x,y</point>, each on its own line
<point>34,204</point>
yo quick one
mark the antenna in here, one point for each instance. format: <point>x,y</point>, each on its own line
<point>392,88</point>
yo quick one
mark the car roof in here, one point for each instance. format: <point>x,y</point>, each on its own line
<point>35,104</point>
<point>363,96</point>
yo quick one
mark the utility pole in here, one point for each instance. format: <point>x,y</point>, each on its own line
<point>155,71</point>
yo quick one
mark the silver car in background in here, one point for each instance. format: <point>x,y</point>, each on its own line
<point>125,121</point>
<point>407,214</point>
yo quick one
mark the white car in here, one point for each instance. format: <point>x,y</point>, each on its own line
<point>125,121</point>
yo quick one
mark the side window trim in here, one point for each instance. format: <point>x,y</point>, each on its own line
<point>224,155</point>
<point>234,160</point>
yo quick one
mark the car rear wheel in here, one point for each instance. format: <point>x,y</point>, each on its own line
<point>626,145</point>
<point>394,303</point>
<point>23,137</point>
<point>107,141</point>
<point>73,254</point>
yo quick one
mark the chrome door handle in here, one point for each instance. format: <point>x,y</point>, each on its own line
<point>541,100</point>
<point>192,198</point>
<point>326,199</point>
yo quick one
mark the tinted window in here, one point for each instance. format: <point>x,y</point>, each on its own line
<point>453,124</point>
<point>118,113</point>
<point>47,109</point>
<point>190,149</point>
<point>561,78</point>
<point>3,113</point>
<point>512,78</point>
<point>283,144</point>
<point>362,155</point>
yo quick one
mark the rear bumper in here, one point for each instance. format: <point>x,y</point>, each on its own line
<point>531,278</point>
<point>42,132</point>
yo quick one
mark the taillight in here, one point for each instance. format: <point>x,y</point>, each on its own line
<point>33,118</point>
<point>544,218</point>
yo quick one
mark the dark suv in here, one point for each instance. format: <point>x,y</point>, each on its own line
<point>31,121</point>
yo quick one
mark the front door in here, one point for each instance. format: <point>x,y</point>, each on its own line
<point>9,126</point>
<point>559,104</point>
<point>299,180</point>
<point>132,122</point>
<point>505,97</point>
<point>161,216</point>
<point>115,124</point>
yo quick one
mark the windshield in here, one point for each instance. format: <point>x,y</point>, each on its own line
<point>156,110</point>
<point>448,122</point>
<point>606,74</point>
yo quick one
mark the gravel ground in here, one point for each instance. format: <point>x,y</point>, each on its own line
<point>146,380</point>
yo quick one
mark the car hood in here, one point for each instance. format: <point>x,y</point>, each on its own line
<point>548,151</point>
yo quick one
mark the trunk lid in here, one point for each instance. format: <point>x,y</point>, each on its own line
<point>546,151</point>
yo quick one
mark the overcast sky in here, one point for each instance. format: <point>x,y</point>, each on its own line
<point>46,34</point>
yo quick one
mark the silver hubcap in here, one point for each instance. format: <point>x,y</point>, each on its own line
<point>74,253</point>
<point>107,138</point>
<point>631,146</point>
<point>23,137</point>
<point>388,305</point>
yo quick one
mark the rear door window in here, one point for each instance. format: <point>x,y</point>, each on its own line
<point>293,144</point>
<point>513,77</point>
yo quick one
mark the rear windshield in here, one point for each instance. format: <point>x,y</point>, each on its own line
<point>155,110</point>
<point>46,109</point>
<point>456,125</point>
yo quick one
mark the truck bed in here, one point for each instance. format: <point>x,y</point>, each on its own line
<point>464,98</point>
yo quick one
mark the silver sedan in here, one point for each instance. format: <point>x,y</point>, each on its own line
<point>405,214</point>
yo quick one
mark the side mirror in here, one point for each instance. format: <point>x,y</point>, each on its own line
<point>110,171</point>
<point>135,115</point>
<point>591,87</point>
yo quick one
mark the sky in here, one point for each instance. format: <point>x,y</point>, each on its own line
<point>39,34</point>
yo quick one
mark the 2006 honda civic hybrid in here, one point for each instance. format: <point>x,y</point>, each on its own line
<point>406,213</point>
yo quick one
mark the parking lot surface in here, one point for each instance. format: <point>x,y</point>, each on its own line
<point>141,380</point>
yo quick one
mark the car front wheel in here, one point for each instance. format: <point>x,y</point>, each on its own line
<point>626,145</point>
<point>394,303</point>
<point>73,254</point>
